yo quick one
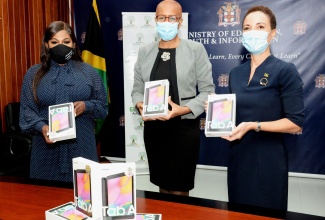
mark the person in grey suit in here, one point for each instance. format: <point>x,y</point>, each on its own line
<point>172,142</point>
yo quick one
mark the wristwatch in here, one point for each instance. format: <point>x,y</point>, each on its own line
<point>258,126</point>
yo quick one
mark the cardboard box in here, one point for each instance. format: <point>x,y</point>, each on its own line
<point>220,115</point>
<point>105,191</point>
<point>62,122</point>
<point>65,211</point>
<point>155,101</point>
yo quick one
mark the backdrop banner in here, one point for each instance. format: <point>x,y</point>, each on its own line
<point>218,26</point>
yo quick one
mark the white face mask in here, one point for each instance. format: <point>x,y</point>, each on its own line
<point>255,41</point>
<point>167,31</point>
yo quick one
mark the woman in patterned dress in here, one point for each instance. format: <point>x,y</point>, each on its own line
<point>60,78</point>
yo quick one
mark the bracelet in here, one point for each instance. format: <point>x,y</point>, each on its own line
<point>258,126</point>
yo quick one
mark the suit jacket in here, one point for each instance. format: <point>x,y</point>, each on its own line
<point>194,75</point>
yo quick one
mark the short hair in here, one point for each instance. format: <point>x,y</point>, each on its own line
<point>267,11</point>
<point>175,3</point>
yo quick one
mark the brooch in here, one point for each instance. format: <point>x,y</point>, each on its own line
<point>264,80</point>
<point>165,56</point>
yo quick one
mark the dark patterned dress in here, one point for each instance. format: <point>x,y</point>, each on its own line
<point>74,81</point>
<point>258,163</point>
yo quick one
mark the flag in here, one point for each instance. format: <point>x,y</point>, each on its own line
<point>93,51</point>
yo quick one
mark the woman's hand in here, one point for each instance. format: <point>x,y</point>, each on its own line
<point>139,106</point>
<point>175,112</point>
<point>239,131</point>
<point>206,106</point>
<point>45,132</point>
<point>79,108</point>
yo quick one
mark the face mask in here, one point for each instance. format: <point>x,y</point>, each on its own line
<point>255,41</point>
<point>61,53</point>
<point>166,30</point>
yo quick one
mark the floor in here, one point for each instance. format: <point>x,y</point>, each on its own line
<point>306,195</point>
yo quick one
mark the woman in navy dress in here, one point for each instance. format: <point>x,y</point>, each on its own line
<point>60,78</point>
<point>269,96</point>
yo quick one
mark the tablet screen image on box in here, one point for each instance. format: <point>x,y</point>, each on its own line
<point>155,101</point>
<point>61,122</point>
<point>69,211</point>
<point>220,115</point>
<point>83,192</point>
<point>60,118</point>
<point>118,197</point>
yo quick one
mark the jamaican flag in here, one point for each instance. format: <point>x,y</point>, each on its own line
<point>93,51</point>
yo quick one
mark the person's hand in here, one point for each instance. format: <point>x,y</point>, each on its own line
<point>45,132</point>
<point>176,111</point>
<point>171,113</point>
<point>238,132</point>
<point>206,106</point>
<point>79,108</point>
<point>139,106</point>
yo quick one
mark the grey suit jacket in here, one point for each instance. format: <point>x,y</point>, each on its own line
<point>193,69</point>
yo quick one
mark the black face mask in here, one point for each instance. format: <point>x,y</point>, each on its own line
<point>61,53</point>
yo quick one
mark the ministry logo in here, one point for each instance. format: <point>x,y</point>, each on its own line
<point>223,80</point>
<point>229,14</point>
<point>300,28</point>
<point>320,81</point>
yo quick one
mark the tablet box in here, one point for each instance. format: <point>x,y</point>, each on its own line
<point>62,122</point>
<point>147,216</point>
<point>155,101</point>
<point>65,211</point>
<point>105,191</point>
<point>220,115</point>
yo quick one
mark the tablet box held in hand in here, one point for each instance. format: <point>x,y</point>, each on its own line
<point>220,115</point>
<point>156,98</point>
<point>62,122</point>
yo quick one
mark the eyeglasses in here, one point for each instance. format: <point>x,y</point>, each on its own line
<point>171,18</point>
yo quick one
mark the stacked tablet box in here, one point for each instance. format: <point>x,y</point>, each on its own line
<point>65,211</point>
<point>101,192</point>
<point>148,216</point>
<point>62,122</point>
<point>220,115</point>
<point>155,101</point>
<point>105,191</point>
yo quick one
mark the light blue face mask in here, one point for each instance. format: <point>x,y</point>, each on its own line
<point>255,41</point>
<point>166,30</point>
